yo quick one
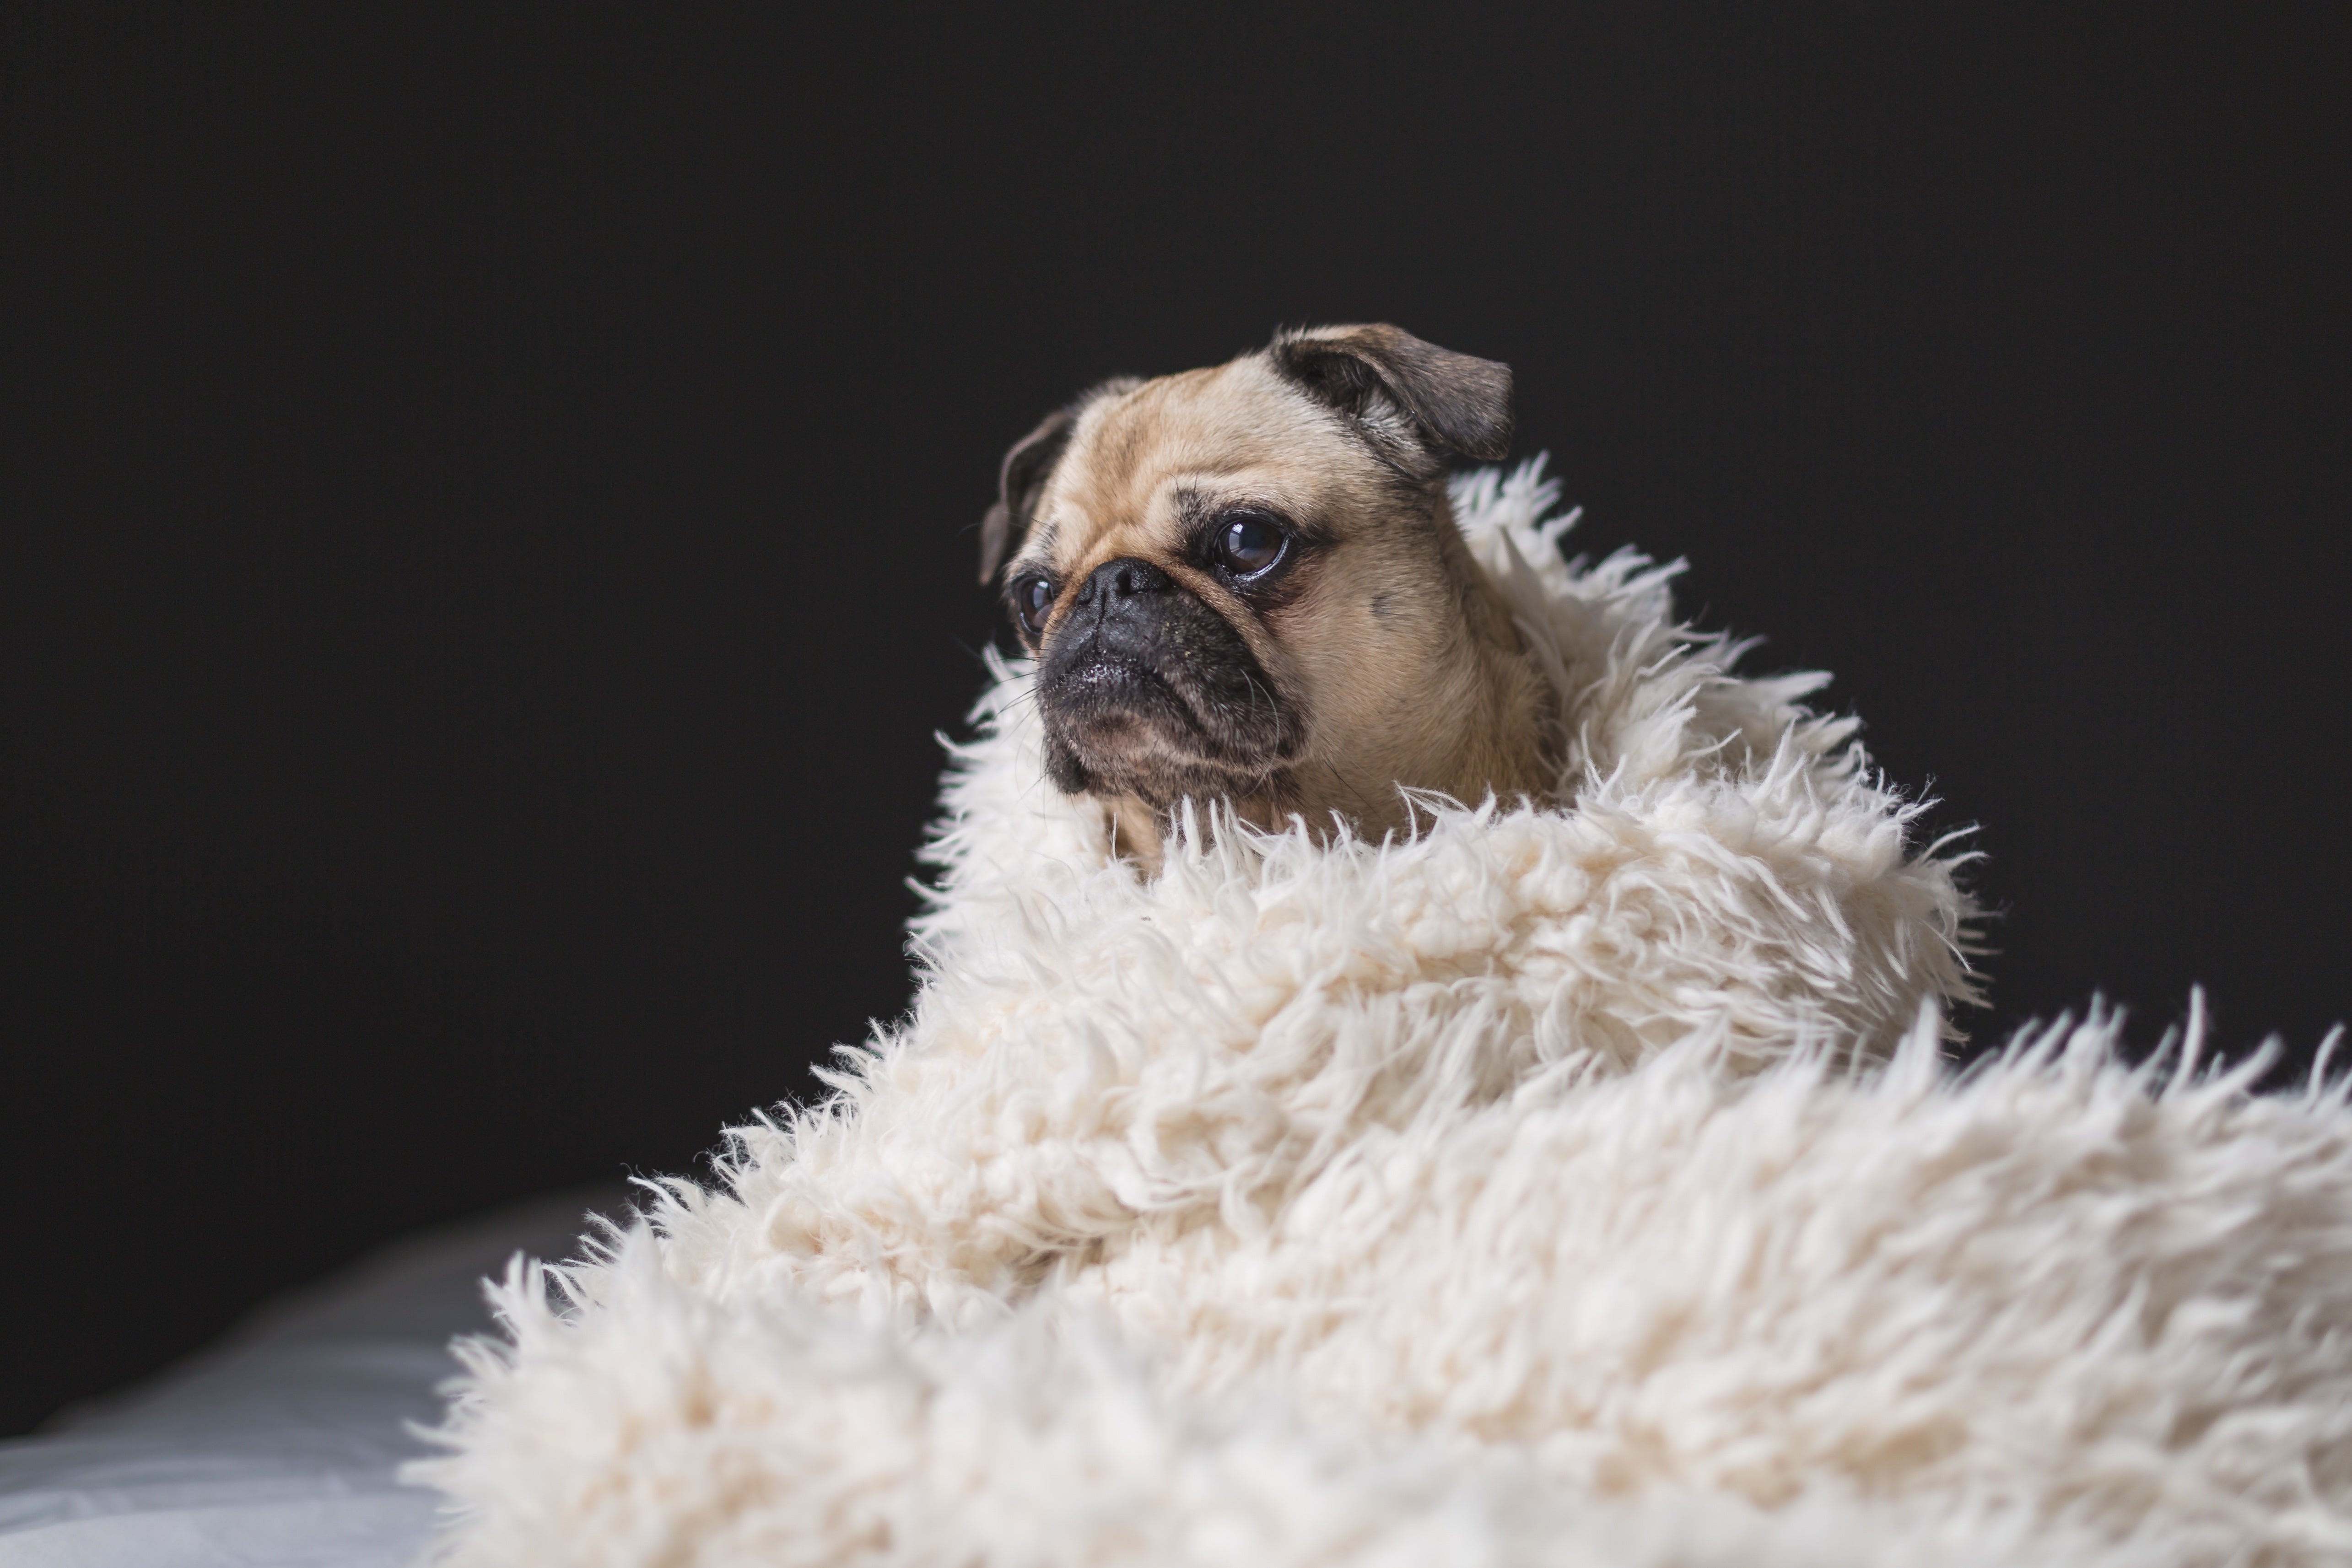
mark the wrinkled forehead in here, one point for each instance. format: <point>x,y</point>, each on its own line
<point>1234,432</point>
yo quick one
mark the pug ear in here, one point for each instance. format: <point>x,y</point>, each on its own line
<point>1022,478</point>
<point>1019,481</point>
<point>1457,403</point>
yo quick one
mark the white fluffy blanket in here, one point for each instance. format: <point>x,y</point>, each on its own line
<point>1580,1184</point>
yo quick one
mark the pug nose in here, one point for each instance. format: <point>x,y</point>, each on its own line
<point>1126,577</point>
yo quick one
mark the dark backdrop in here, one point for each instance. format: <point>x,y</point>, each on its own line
<point>490,518</point>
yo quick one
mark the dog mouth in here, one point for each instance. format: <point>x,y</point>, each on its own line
<point>1162,703</point>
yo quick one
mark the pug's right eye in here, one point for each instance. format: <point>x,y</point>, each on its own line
<point>1032,597</point>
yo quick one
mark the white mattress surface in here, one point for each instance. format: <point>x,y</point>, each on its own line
<point>278,1445</point>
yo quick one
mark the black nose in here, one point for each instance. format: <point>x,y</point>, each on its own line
<point>1126,577</point>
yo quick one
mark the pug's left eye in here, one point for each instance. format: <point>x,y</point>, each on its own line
<point>1249,544</point>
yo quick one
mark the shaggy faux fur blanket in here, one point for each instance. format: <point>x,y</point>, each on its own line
<point>1579,1183</point>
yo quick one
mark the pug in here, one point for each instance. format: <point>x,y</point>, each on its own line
<point>1244,585</point>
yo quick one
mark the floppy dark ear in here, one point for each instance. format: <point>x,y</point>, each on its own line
<point>1018,485</point>
<point>1459,402</point>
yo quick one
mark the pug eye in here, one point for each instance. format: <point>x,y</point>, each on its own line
<point>1248,545</point>
<point>1032,597</point>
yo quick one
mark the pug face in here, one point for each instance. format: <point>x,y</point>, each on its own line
<point>1244,584</point>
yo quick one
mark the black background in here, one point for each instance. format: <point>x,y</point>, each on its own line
<point>491,517</point>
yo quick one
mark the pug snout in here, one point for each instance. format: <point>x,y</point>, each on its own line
<point>1121,608</point>
<point>1128,577</point>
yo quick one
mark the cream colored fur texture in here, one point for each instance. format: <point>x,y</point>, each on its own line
<point>1573,1183</point>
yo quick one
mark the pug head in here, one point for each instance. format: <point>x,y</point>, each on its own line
<point>1244,583</point>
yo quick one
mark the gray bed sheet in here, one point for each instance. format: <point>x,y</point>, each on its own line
<point>279,1444</point>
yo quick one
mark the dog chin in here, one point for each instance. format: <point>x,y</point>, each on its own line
<point>1145,744</point>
